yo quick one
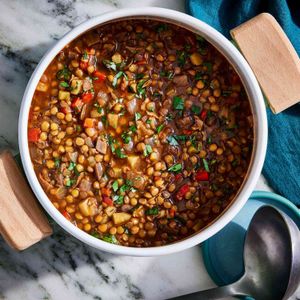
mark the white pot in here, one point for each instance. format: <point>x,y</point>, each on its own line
<point>251,87</point>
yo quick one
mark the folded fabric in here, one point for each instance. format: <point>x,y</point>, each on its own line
<point>282,164</point>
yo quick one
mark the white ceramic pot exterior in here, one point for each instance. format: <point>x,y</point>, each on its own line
<point>251,87</point>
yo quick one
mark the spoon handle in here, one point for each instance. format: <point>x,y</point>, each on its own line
<point>215,293</point>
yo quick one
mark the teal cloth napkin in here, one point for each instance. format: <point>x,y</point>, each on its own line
<point>282,164</point>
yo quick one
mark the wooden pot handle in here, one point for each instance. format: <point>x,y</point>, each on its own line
<point>22,222</point>
<point>272,58</point>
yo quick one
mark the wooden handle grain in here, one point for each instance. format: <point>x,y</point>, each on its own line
<point>22,222</point>
<point>272,58</point>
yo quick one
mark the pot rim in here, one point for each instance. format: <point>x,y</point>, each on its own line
<point>251,86</point>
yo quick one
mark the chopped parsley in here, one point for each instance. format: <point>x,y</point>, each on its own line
<point>148,150</point>
<point>70,182</point>
<point>140,88</point>
<point>152,211</point>
<point>178,103</point>
<point>132,128</point>
<point>111,142</point>
<point>196,109</point>
<point>85,56</point>
<point>117,76</point>
<point>137,116</point>
<point>126,137</point>
<point>115,185</point>
<point>175,168</point>
<point>95,234</point>
<point>205,164</point>
<point>71,166</point>
<point>110,65</point>
<point>57,162</point>
<point>167,74</point>
<point>139,76</point>
<point>110,238</point>
<point>64,74</point>
<point>172,140</point>
<point>160,128</point>
<point>118,199</point>
<point>120,153</point>
<point>181,58</point>
<point>64,84</point>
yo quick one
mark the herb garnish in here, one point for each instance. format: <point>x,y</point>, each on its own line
<point>120,153</point>
<point>152,211</point>
<point>196,109</point>
<point>118,199</point>
<point>57,162</point>
<point>137,116</point>
<point>175,168</point>
<point>63,74</point>
<point>140,88</point>
<point>160,128</point>
<point>71,166</point>
<point>205,163</point>
<point>172,140</point>
<point>64,84</point>
<point>148,150</point>
<point>115,185</point>
<point>110,238</point>
<point>178,103</point>
<point>110,65</point>
<point>117,76</point>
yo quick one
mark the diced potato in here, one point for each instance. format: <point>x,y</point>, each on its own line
<point>42,87</point>
<point>133,160</point>
<point>88,207</point>
<point>117,58</point>
<point>84,208</point>
<point>120,218</point>
<point>110,210</point>
<point>113,120</point>
<point>64,95</point>
<point>76,86</point>
<point>115,172</point>
<point>196,59</point>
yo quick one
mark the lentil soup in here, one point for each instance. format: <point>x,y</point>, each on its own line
<point>140,133</point>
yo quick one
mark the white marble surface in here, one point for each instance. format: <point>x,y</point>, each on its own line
<point>61,267</point>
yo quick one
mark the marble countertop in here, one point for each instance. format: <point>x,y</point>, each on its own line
<point>61,267</point>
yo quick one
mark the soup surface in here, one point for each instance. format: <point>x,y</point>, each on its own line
<point>140,133</point>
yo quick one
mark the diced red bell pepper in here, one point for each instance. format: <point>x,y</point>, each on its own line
<point>203,114</point>
<point>178,176</point>
<point>172,212</point>
<point>76,103</point>
<point>100,76</point>
<point>67,215</point>
<point>34,134</point>
<point>202,176</point>
<point>108,201</point>
<point>105,191</point>
<point>141,62</point>
<point>182,191</point>
<point>187,132</point>
<point>84,65</point>
<point>87,97</point>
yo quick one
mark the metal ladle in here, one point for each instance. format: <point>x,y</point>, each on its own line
<point>271,258</point>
